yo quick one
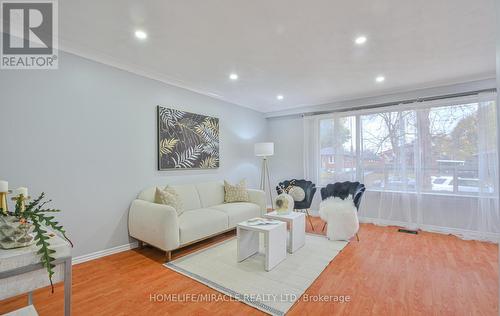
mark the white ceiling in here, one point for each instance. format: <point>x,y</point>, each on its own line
<point>301,49</point>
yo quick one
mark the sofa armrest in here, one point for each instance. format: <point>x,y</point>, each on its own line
<point>258,197</point>
<point>155,224</point>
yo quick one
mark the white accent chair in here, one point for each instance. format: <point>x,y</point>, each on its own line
<point>205,215</point>
<point>341,217</point>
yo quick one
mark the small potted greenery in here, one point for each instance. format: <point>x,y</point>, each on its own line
<point>29,223</point>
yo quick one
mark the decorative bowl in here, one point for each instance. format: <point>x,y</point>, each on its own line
<point>14,233</point>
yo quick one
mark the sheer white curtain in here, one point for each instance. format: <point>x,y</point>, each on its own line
<point>488,204</point>
<point>311,148</point>
<point>428,165</point>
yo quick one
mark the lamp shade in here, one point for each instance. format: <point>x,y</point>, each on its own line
<point>264,149</point>
<point>4,186</point>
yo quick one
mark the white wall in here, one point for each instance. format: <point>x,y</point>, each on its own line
<point>287,163</point>
<point>86,135</point>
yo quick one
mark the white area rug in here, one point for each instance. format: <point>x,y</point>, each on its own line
<point>273,292</point>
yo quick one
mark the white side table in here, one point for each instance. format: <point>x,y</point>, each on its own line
<point>274,239</point>
<point>22,272</point>
<point>297,231</point>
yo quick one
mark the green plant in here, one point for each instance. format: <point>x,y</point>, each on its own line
<point>33,213</point>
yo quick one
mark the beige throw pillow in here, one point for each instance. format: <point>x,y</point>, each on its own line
<point>169,196</point>
<point>235,193</point>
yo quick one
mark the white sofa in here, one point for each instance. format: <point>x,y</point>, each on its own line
<point>205,215</point>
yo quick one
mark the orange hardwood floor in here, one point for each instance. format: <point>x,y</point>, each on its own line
<point>386,273</point>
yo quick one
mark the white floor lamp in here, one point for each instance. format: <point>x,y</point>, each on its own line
<point>265,150</point>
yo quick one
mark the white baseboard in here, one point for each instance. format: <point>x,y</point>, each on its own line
<point>461,233</point>
<point>104,253</point>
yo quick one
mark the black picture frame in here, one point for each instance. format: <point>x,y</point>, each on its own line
<point>186,140</point>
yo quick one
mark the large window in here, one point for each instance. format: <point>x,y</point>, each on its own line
<point>429,149</point>
<point>388,150</point>
<point>451,152</point>
<point>337,149</point>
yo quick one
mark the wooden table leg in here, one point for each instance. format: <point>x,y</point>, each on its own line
<point>309,217</point>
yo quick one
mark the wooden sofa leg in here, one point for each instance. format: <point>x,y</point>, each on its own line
<point>168,255</point>
<point>140,244</point>
<point>324,226</point>
<point>357,237</point>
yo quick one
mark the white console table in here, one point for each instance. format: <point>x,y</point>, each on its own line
<point>22,272</point>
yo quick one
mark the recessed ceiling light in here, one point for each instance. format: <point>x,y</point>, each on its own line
<point>141,34</point>
<point>280,97</point>
<point>233,76</point>
<point>380,79</point>
<point>360,40</point>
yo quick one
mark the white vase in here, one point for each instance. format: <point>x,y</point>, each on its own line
<point>14,234</point>
<point>284,204</point>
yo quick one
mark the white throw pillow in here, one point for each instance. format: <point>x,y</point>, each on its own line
<point>169,196</point>
<point>297,193</point>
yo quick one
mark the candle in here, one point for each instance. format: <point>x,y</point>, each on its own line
<point>22,190</point>
<point>4,186</point>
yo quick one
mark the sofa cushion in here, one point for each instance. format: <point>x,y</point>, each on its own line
<point>238,211</point>
<point>211,193</point>
<point>200,223</point>
<point>189,196</point>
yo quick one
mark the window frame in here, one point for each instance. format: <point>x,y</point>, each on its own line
<point>413,107</point>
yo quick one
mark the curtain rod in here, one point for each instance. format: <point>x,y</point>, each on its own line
<point>407,101</point>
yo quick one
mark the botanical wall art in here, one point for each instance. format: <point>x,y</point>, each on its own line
<point>187,140</point>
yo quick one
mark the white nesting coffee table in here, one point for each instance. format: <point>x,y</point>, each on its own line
<point>297,231</point>
<point>274,242</point>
